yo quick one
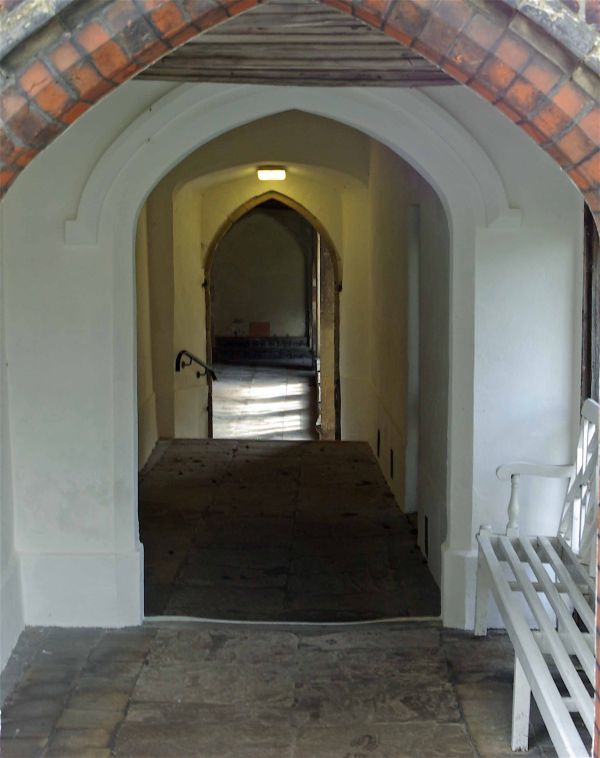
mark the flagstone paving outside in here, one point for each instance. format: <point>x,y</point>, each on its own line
<point>404,690</point>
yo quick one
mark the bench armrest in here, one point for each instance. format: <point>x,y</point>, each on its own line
<point>507,470</point>
<point>513,472</point>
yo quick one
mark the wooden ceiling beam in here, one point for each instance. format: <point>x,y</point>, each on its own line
<point>296,42</point>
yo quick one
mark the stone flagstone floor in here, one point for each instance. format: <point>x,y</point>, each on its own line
<point>409,690</point>
<point>277,531</point>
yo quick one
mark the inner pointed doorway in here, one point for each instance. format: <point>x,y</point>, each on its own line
<point>272,325</point>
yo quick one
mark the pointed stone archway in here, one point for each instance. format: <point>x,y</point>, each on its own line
<point>406,122</point>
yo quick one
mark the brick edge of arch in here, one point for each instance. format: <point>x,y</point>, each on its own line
<point>504,56</point>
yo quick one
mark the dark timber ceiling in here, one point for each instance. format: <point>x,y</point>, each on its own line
<point>296,42</point>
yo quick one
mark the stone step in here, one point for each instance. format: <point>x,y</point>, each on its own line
<point>263,351</point>
<point>283,361</point>
<point>262,342</point>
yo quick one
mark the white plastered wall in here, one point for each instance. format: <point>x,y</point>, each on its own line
<point>147,428</point>
<point>393,189</point>
<point>11,606</point>
<point>190,396</point>
<point>434,370</point>
<point>75,531</point>
<point>528,324</point>
<point>71,338</point>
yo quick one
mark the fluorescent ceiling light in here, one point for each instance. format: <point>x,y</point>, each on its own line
<point>271,174</point>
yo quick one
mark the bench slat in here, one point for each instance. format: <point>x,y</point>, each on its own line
<point>563,613</point>
<point>589,580</point>
<point>538,587</point>
<point>556,715</point>
<point>581,606</point>
<point>588,638</point>
<point>563,662</point>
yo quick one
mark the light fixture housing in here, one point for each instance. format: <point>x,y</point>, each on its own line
<point>271,173</point>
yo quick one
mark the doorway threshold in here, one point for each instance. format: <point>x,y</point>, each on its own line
<point>393,620</point>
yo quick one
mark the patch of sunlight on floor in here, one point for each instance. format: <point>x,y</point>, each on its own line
<point>264,403</point>
<point>269,392</point>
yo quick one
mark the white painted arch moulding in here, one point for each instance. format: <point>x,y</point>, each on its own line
<point>408,123</point>
<point>405,111</point>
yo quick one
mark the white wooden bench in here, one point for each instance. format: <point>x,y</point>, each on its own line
<point>551,580</point>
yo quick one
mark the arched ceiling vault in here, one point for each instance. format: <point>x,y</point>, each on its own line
<point>537,61</point>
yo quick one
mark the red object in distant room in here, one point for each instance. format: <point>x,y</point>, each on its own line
<point>259,329</point>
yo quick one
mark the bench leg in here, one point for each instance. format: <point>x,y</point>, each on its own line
<point>520,710</point>
<point>482,597</point>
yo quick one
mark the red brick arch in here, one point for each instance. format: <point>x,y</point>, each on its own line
<point>551,92</point>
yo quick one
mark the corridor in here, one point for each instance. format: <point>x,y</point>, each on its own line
<point>274,531</point>
<point>262,402</point>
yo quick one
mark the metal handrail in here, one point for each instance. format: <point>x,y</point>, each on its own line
<point>180,364</point>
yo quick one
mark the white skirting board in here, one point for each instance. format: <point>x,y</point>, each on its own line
<point>459,571</point>
<point>11,610</point>
<point>101,589</point>
<point>459,586</point>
